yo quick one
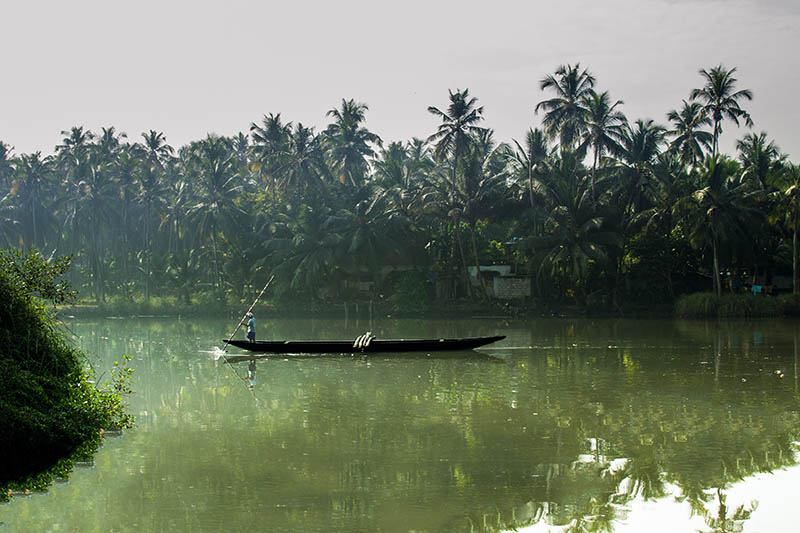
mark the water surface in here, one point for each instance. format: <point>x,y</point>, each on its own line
<point>569,423</point>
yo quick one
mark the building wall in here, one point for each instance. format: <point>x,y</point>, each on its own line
<point>511,288</point>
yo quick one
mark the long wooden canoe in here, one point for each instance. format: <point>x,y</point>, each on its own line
<point>374,346</point>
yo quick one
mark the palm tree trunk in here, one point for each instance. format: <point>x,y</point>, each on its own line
<point>716,137</point>
<point>464,270</point>
<point>93,260</point>
<point>794,256</point>
<point>33,217</point>
<point>530,182</point>
<point>477,262</point>
<point>216,261</point>
<point>717,285</point>
<point>796,378</point>
<point>717,355</point>
<point>124,242</point>
<point>594,170</point>
<point>146,250</point>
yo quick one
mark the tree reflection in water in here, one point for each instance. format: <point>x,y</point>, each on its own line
<point>571,432</point>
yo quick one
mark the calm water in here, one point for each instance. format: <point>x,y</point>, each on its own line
<point>598,425</point>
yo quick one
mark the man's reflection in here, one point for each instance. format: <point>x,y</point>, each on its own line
<point>251,373</point>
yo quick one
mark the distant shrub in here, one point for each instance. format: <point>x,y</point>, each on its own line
<point>789,304</point>
<point>410,292</point>
<point>701,305</point>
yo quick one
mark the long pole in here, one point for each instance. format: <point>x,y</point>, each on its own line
<point>246,312</point>
<point>239,325</point>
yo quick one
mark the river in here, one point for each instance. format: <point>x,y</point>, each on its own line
<point>601,425</point>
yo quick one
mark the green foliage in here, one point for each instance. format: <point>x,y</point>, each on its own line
<point>701,305</point>
<point>49,410</point>
<point>30,274</point>
<point>410,292</point>
<point>789,304</point>
<point>659,265</point>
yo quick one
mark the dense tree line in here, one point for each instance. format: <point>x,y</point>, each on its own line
<point>593,206</point>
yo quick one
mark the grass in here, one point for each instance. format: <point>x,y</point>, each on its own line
<point>703,305</point>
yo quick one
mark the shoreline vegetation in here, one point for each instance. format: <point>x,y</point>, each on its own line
<point>596,212</point>
<point>52,413</point>
<point>696,305</point>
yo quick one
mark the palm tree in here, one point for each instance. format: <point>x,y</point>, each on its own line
<point>720,100</point>
<point>176,208</point>
<point>639,151</point>
<point>348,142</point>
<point>670,182</point>
<point>155,148</point>
<point>788,212</point>
<point>400,173</point>
<point>6,165</point>
<point>366,235</point>
<point>125,170</point>
<point>89,207</point>
<point>529,158</point>
<point>240,146</point>
<point>32,198</point>
<point>452,140</point>
<point>457,129</point>
<point>577,233</point>
<point>718,213</point>
<point>605,127</point>
<point>156,154</point>
<point>485,175</point>
<point>391,165</point>
<point>150,197</point>
<point>270,145</point>
<point>303,250</point>
<point>72,163</point>
<point>689,139</point>
<point>76,139</point>
<point>725,522</point>
<point>420,159</point>
<point>182,272</point>
<point>108,144</point>
<point>565,114</point>
<point>759,158</point>
<point>302,167</point>
<point>219,185</point>
<point>476,195</point>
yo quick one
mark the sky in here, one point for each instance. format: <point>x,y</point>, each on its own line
<point>190,68</point>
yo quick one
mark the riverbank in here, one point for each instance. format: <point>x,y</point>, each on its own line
<point>698,305</point>
<point>706,305</point>
<point>361,309</point>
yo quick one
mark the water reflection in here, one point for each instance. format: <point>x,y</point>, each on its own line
<point>580,420</point>
<point>251,373</point>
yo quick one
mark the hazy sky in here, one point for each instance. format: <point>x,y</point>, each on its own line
<point>188,68</point>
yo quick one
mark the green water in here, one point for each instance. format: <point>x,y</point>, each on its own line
<point>571,422</point>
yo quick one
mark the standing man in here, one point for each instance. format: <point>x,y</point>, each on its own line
<point>251,327</point>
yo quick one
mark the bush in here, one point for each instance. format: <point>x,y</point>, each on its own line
<point>789,304</point>
<point>50,413</point>
<point>704,304</point>
<point>410,292</point>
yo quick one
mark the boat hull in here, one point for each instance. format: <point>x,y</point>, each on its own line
<point>375,346</point>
